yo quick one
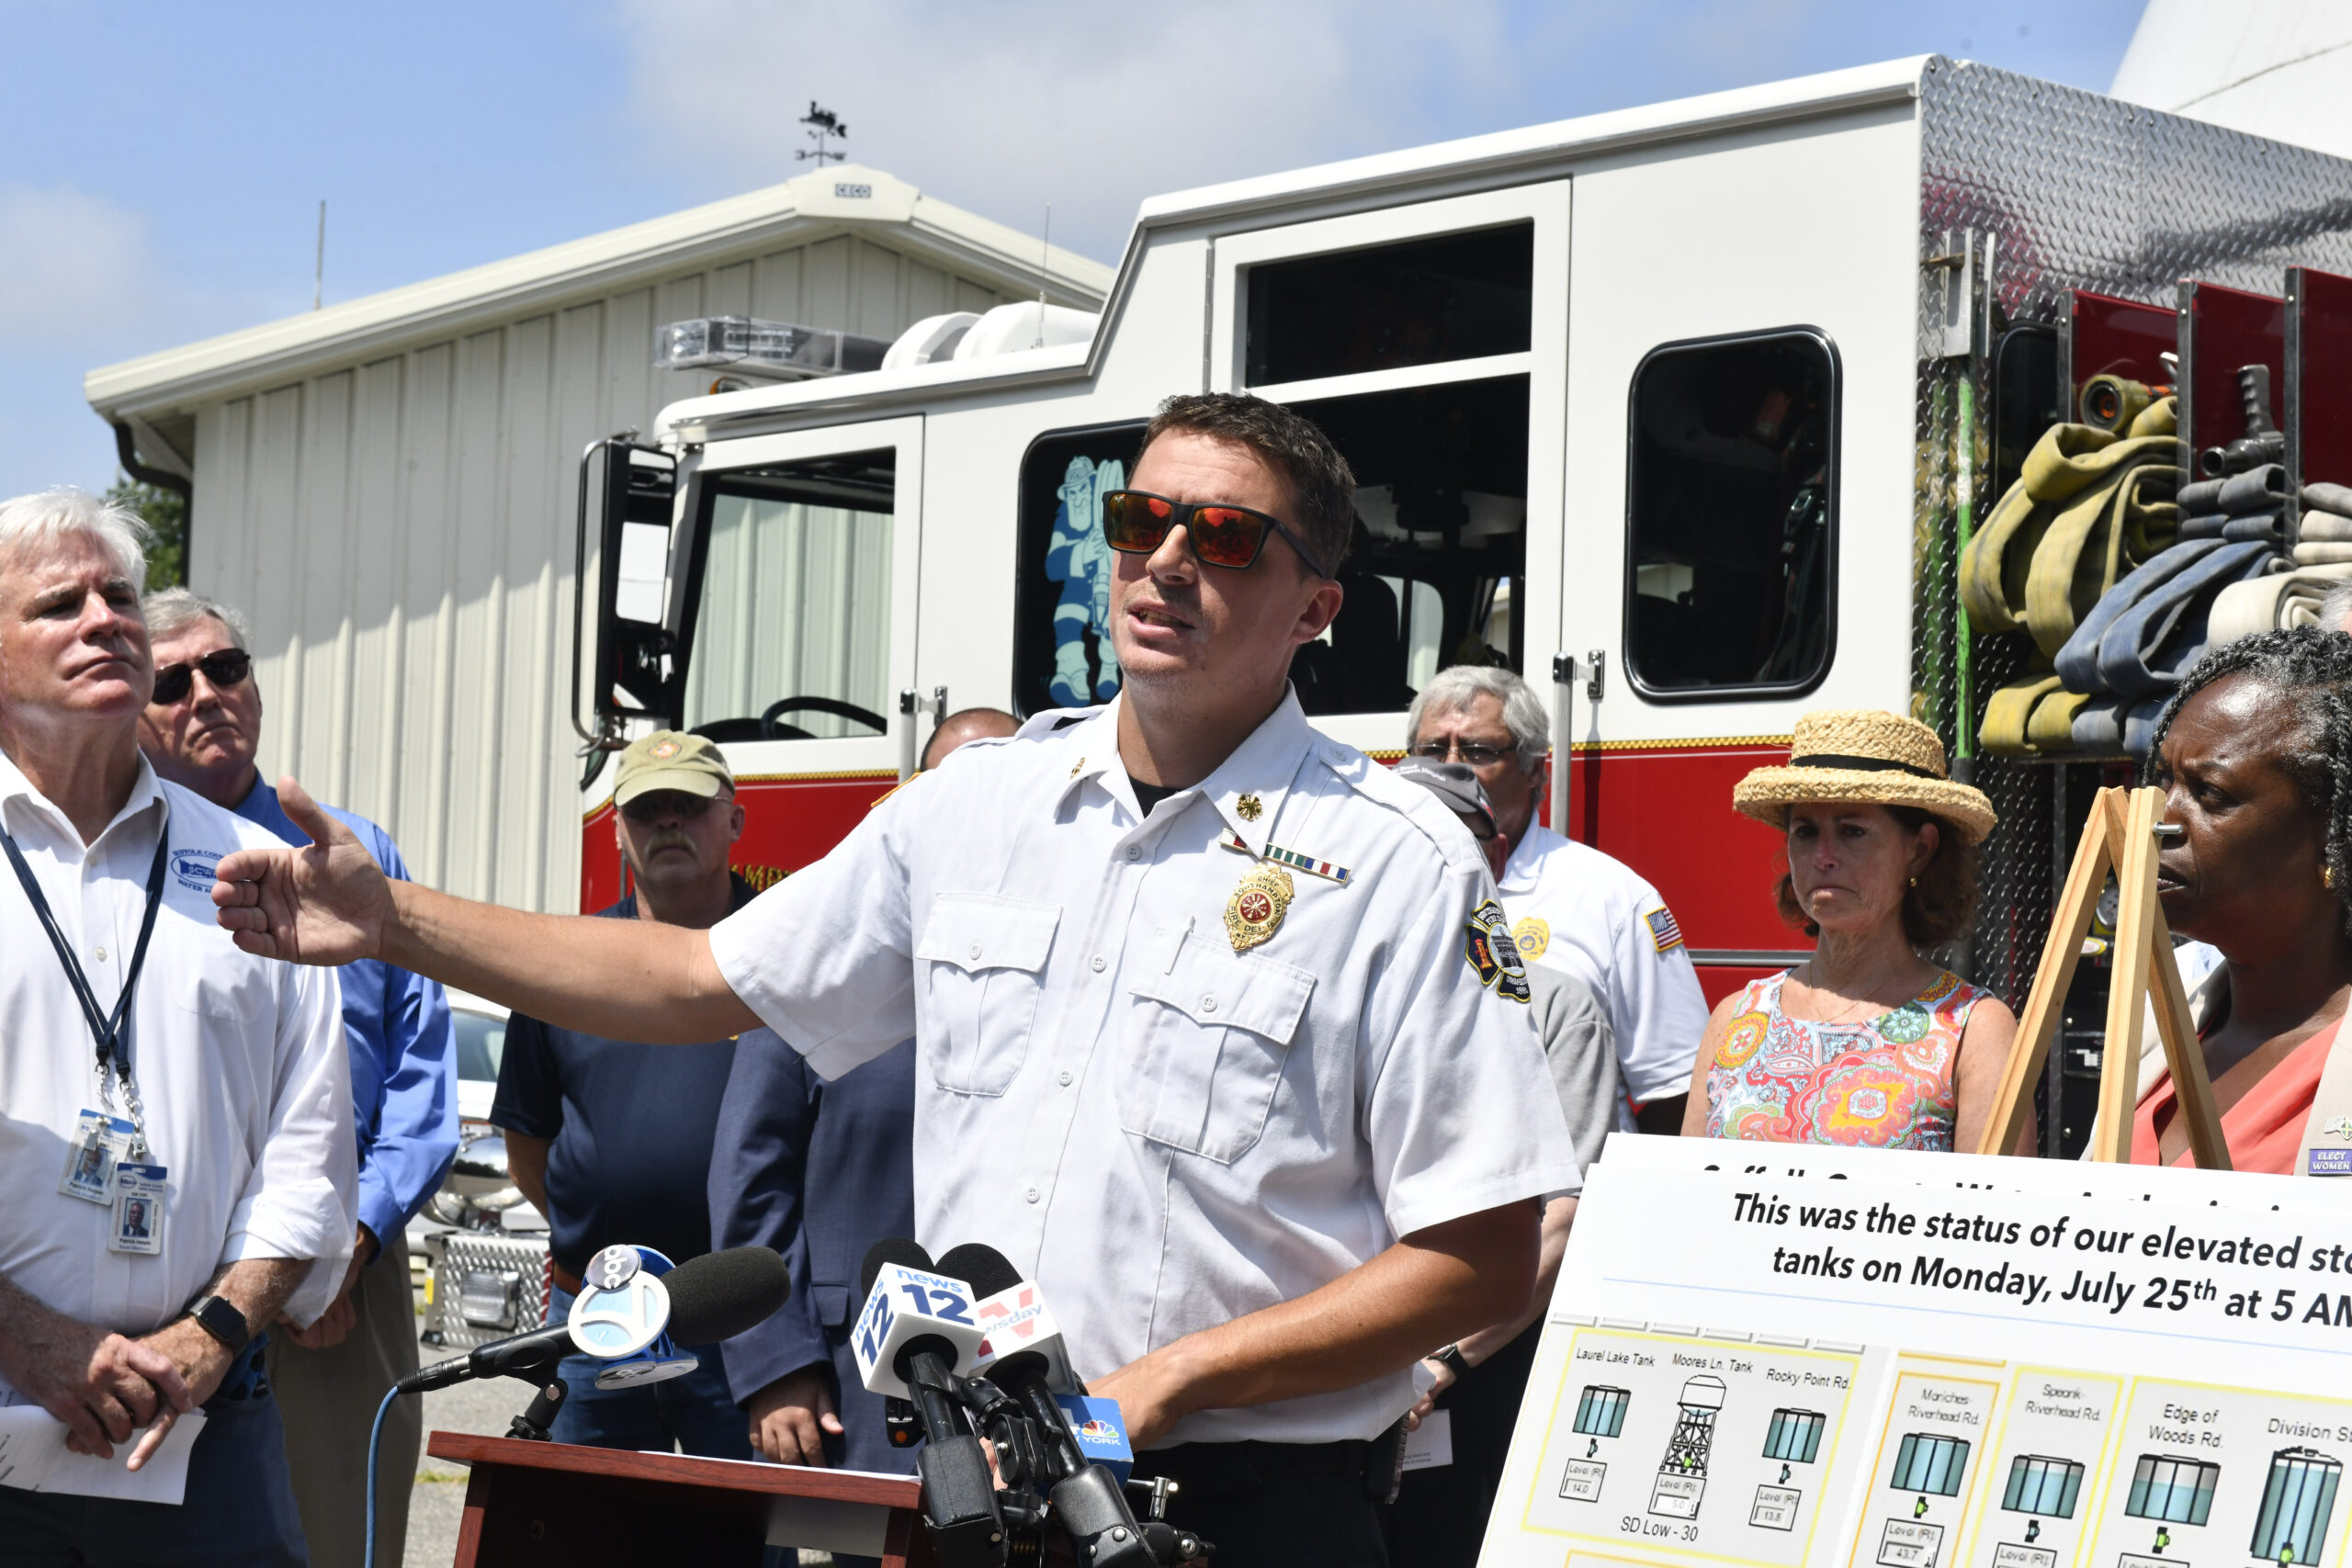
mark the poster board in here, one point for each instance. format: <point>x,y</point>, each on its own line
<point>1867,1359</point>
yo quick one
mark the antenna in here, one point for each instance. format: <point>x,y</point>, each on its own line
<point>318,271</point>
<point>822,124</point>
<point>1044,271</point>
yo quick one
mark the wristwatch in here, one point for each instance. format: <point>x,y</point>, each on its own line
<point>222,1319</point>
<point>1452,1358</point>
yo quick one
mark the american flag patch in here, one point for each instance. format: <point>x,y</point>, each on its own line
<point>1665,935</point>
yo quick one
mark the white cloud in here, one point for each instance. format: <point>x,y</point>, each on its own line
<point>72,266</point>
<point>1004,107</point>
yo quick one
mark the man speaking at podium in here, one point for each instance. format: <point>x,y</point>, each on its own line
<point>1222,1035</point>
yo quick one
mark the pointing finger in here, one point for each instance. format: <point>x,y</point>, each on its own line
<point>324,829</point>
<point>153,1439</point>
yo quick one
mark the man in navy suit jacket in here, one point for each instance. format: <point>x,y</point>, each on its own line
<point>820,1171</point>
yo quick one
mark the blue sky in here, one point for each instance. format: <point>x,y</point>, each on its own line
<point>165,161</point>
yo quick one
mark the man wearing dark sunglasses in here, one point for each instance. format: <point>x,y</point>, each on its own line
<point>1222,1036</point>
<point>202,730</point>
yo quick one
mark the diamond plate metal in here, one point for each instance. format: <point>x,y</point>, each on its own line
<point>2074,190</point>
<point>504,1279</point>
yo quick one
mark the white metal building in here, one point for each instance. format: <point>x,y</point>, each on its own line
<point>387,487</point>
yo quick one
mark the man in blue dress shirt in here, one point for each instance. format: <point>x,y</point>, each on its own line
<point>201,732</point>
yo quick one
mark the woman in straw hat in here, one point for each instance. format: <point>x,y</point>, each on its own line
<point>1865,1042</point>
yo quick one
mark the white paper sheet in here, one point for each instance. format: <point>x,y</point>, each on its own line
<point>33,1456</point>
<point>1431,1443</point>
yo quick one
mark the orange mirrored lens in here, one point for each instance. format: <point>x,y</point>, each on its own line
<point>1227,535</point>
<point>1133,522</point>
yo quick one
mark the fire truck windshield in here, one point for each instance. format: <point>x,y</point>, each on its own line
<point>791,625</point>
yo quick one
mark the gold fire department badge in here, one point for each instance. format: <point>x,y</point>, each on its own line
<point>1255,911</point>
<point>1249,807</point>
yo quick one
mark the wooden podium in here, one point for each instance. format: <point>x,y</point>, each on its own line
<point>531,1502</point>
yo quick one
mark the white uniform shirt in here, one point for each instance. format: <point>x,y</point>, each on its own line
<point>239,1062</point>
<point>1164,1132</point>
<point>1587,914</point>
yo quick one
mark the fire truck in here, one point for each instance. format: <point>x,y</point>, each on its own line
<point>1685,412</point>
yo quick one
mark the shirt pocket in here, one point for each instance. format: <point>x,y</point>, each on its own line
<point>1207,1037</point>
<point>984,958</point>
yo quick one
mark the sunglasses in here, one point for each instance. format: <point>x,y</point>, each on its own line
<point>1135,522</point>
<point>225,669</point>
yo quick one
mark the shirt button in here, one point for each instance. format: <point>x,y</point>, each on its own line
<point>975,949</point>
<point>1065,1080</point>
<point>1208,1004</point>
<point>1099,964</point>
<point>1135,851</point>
<point>1033,1194</point>
<point>102,955</point>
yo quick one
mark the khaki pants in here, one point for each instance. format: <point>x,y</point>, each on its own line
<point>328,1399</point>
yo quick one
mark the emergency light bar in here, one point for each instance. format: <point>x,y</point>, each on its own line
<point>772,350</point>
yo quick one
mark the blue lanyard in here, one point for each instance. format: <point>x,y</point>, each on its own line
<point>114,1049</point>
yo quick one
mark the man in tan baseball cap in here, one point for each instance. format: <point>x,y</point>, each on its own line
<point>612,1138</point>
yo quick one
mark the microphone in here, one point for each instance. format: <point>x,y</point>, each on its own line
<point>914,1330</point>
<point>1094,1514</point>
<point>707,1298</point>
<point>722,1294</point>
<point>1013,1312</point>
<point>911,1308</point>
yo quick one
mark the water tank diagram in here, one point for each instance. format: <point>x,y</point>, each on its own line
<point>2298,1500</point>
<point>1683,1474</point>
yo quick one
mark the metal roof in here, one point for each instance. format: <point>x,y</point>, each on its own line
<point>283,350</point>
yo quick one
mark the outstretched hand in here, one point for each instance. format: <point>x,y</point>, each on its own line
<point>329,903</point>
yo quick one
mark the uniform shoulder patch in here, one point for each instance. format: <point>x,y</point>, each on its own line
<point>1665,935</point>
<point>1486,945</point>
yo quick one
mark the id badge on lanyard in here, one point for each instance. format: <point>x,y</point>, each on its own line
<point>108,1161</point>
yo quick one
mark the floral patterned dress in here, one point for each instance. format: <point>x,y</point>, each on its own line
<point>1881,1083</point>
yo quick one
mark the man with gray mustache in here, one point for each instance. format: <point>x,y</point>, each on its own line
<point>612,1139</point>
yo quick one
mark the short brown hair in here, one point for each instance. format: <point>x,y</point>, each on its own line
<point>1291,444</point>
<point>1935,910</point>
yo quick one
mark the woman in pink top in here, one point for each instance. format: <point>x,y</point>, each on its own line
<point>1866,1043</point>
<point>2254,756</point>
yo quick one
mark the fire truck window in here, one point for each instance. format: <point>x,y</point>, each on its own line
<point>1455,296</point>
<point>1441,541</point>
<point>1732,501</point>
<point>794,599</point>
<point>1062,656</point>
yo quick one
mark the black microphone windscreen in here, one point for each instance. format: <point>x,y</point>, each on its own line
<point>722,1294</point>
<point>980,1266</point>
<point>901,1250</point>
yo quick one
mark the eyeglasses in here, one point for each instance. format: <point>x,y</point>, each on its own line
<point>1469,751</point>
<point>1135,522</point>
<point>225,669</point>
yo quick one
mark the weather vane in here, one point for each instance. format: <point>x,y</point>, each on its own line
<point>823,124</point>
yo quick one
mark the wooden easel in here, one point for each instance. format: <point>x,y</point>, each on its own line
<point>2121,836</point>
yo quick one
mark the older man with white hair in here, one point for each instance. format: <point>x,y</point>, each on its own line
<point>176,1132</point>
<point>1572,907</point>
